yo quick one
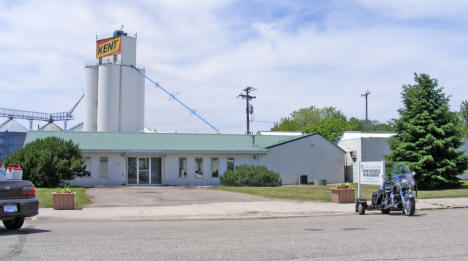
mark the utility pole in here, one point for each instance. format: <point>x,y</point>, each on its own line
<point>367,120</point>
<point>248,109</point>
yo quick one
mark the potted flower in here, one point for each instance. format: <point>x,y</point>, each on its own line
<point>64,198</point>
<point>342,193</point>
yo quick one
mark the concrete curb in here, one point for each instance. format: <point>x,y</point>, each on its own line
<point>229,210</point>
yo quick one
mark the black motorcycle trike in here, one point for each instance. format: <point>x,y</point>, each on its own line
<point>395,194</point>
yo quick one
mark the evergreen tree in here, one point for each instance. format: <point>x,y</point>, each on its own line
<point>427,136</point>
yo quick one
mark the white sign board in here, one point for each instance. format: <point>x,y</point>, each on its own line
<point>372,172</point>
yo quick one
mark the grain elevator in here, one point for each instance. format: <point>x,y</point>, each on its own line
<point>114,91</point>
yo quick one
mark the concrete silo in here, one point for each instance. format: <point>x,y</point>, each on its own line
<point>91,95</point>
<point>117,91</point>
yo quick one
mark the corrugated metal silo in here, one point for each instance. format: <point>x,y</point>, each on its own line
<point>91,98</point>
<point>108,97</point>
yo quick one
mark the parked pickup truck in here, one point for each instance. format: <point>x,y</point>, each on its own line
<point>17,201</point>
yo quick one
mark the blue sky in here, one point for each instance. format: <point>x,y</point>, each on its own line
<point>296,53</point>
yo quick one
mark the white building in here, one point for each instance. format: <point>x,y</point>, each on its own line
<point>199,159</point>
<point>361,146</point>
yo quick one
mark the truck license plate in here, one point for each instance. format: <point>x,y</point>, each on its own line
<point>11,208</point>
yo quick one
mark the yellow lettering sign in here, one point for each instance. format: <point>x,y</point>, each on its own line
<point>107,47</point>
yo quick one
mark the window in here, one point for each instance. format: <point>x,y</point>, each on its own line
<point>87,162</point>
<point>182,167</point>
<point>103,167</point>
<point>230,163</point>
<point>214,167</point>
<point>199,167</point>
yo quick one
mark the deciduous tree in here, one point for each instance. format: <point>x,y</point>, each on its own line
<point>49,161</point>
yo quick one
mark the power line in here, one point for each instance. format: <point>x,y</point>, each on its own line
<point>366,94</point>
<point>248,107</point>
<point>172,96</point>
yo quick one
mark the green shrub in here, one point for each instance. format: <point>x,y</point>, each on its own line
<point>256,176</point>
<point>47,162</point>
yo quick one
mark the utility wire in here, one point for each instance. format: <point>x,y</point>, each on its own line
<point>176,99</point>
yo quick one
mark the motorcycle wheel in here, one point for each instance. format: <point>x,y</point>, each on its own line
<point>409,208</point>
<point>385,211</point>
<point>361,209</point>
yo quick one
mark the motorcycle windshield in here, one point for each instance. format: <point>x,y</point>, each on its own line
<point>404,180</point>
<point>400,168</point>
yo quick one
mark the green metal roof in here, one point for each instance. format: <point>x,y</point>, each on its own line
<point>166,142</point>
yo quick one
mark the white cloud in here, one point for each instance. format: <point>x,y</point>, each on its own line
<point>200,50</point>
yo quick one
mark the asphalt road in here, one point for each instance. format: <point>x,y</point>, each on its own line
<point>431,235</point>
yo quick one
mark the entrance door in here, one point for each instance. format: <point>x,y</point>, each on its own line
<point>144,170</point>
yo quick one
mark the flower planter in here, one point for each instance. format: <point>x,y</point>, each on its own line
<point>342,195</point>
<point>64,200</point>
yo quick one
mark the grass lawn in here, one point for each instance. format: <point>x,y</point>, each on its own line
<point>46,201</point>
<point>322,193</point>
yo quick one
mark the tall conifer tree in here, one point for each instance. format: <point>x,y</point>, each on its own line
<point>427,136</point>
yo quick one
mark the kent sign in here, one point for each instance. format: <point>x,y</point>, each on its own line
<point>107,47</point>
<point>372,172</point>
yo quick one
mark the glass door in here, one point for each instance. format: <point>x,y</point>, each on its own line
<point>132,170</point>
<point>143,171</point>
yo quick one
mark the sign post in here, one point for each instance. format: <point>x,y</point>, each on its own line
<point>372,173</point>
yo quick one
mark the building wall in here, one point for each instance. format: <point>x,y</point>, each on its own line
<point>465,148</point>
<point>313,156</point>
<point>10,141</point>
<point>128,51</point>
<point>171,168</point>
<point>351,165</point>
<point>374,149</point>
<point>367,149</point>
<point>116,166</point>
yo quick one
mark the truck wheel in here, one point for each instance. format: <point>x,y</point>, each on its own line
<point>385,211</point>
<point>361,209</point>
<point>14,224</point>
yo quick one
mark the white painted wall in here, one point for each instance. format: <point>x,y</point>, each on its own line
<point>116,167</point>
<point>171,168</point>
<point>352,145</point>
<point>128,51</point>
<point>313,156</point>
<point>367,149</point>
